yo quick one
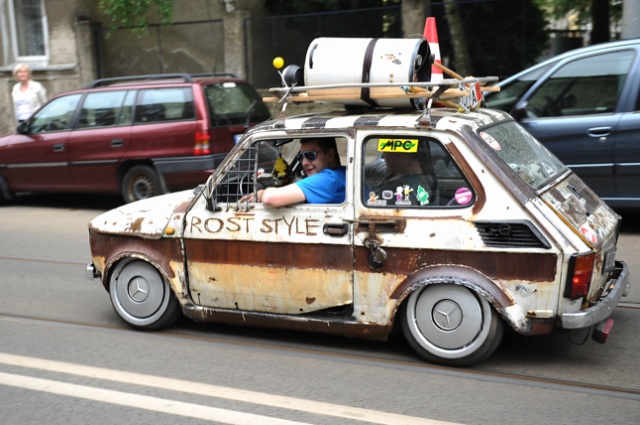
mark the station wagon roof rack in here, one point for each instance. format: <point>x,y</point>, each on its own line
<point>216,74</point>
<point>150,77</point>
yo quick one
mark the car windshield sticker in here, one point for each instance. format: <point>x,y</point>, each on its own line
<point>387,194</point>
<point>422,195</point>
<point>398,145</point>
<point>490,140</point>
<point>463,196</point>
<point>402,195</point>
<point>373,200</point>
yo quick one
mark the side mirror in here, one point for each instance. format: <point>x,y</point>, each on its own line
<point>23,127</point>
<point>520,110</point>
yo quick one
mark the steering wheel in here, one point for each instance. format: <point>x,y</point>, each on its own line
<point>551,108</point>
<point>56,124</point>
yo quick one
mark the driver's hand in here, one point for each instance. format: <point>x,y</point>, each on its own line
<point>252,198</point>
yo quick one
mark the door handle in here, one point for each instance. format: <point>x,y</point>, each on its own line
<point>58,147</point>
<point>335,229</point>
<point>116,143</point>
<point>599,131</point>
<point>381,225</point>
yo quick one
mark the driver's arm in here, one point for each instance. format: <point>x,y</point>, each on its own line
<point>280,196</point>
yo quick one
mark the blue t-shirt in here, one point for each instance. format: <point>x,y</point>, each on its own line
<point>325,187</point>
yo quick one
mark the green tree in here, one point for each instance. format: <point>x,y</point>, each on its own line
<point>135,14</point>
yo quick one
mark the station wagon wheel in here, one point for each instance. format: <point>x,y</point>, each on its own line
<point>141,296</point>
<point>450,324</point>
<point>140,182</point>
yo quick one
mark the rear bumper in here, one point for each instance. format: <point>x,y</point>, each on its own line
<point>605,306</point>
<point>91,272</point>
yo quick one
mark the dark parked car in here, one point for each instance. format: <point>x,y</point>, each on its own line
<point>139,136</point>
<point>584,106</point>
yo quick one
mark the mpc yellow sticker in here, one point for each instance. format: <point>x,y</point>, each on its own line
<point>398,145</point>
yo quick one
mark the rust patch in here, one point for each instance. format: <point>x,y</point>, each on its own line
<point>111,247</point>
<point>265,254</point>
<point>530,267</point>
<point>135,226</point>
<point>310,300</point>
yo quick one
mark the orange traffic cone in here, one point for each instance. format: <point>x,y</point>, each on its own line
<point>431,34</point>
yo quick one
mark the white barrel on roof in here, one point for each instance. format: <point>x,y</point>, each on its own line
<point>366,60</point>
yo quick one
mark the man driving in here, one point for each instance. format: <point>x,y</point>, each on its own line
<point>325,182</point>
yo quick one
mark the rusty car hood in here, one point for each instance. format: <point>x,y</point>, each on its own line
<point>147,218</point>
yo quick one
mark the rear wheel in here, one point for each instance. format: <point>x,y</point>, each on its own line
<point>450,324</point>
<point>5,193</point>
<point>140,182</point>
<point>141,296</point>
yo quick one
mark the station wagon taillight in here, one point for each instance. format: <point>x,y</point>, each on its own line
<point>579,276</point>
<point>202,146</point>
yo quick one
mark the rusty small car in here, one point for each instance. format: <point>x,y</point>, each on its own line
<point>498,234</point>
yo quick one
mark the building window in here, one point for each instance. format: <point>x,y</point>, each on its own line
<point>29,28</point>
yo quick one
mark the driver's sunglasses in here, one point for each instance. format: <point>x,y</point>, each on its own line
<point>308,155</point>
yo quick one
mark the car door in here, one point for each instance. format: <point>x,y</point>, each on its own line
<point>627,151</point>
<point>575,113</point>
<point>405,223</point>
<point>244,256</point>
<point>101,137</point>
<point>37,159</point>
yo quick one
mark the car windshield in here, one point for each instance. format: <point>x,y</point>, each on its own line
<point>233,103</point>
<point>531,161</point>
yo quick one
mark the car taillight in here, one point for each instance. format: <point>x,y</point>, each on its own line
<point>202,146</point>
<point>579,277</point>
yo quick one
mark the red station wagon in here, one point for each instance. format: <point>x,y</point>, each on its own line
<point>139,136</point>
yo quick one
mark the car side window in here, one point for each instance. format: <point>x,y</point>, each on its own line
<point>265,164</point>
<point>509,94</point>
<point>254,169</point>
<point>164,104</point>
<point>412,172</point>
<point>55,115</point>
<point>101,109</point>
<point>583,87</point>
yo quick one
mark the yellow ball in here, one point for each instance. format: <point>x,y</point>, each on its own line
<point>278,62</point>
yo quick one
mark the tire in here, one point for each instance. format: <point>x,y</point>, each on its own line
<point>5,193</point>
<point>141,296</point>
<point>140,182</point>
<point>451,325</point>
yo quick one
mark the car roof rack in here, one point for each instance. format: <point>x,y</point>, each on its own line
<point>463,94</point>
<point>150,77</point>
<point>216,74</point>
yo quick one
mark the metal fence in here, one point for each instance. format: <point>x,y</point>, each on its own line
<point>503,37</point>
<point>185,47</point>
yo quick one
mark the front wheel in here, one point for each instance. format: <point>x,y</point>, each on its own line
<point>141,296</point>
<point>450,324</point>
<point>140,182</point>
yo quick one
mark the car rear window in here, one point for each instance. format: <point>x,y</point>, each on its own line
<point>233,103</point>
<point>527,157</point>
